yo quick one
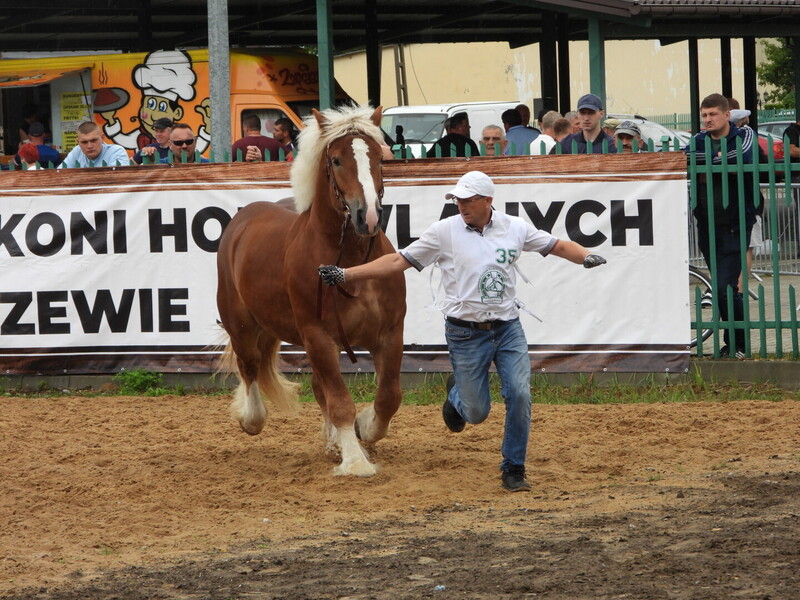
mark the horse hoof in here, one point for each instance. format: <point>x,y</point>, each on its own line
<point>251,429</point>
<point>358,470</point>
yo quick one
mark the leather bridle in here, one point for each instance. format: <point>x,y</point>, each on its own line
<point>323,291</point>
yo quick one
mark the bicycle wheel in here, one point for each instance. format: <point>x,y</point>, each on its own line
<point>698,279</point>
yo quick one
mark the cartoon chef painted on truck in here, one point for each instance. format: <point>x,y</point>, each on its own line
<point>165,77</point>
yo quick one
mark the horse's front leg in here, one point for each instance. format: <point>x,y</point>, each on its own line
<point>323,354</point>
<point>372,423</point>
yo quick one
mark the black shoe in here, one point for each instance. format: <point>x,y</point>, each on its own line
<point>725,352</point>
<point>514,480</point>
<point>454,421</point>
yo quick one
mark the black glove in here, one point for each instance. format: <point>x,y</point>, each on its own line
<point>593,260</point>
<point>331,274</point>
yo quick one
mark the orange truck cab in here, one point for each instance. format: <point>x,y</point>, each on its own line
<point>126,93</point>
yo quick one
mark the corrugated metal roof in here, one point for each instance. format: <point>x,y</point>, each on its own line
<point>44,25</point>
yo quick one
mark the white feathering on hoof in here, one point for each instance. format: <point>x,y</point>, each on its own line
<point>248,408</point>
<point>354,458</point>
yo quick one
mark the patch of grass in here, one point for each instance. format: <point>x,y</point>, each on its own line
<point>583,391</point>
<point>140,382</point>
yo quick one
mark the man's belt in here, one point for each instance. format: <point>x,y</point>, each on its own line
<point>473,325</point>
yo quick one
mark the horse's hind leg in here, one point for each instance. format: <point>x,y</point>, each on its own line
<point>248,407</point>
<point>372,423</point>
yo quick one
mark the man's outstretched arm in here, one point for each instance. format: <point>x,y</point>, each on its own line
<point>380,267</point>
<point>574,252</point>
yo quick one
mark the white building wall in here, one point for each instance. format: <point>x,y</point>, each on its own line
<point>642,77</point>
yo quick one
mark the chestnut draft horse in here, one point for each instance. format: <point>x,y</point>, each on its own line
<point>268,286</point>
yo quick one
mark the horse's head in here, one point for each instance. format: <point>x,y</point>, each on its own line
<point>353,165</point>
<point>348,142</point>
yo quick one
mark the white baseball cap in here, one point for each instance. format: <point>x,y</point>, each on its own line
<point>474,183</point>
<point>737,114</point>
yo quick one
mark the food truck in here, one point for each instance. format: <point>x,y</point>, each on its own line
<point>126,93</point>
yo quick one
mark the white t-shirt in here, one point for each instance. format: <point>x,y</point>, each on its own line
<point>478,273</point>
<point>536,146</point>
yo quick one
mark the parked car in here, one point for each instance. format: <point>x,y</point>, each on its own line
<point>764,141</point>
<point>422,125</point>
<point>774,128</point>
<point>683,137</point>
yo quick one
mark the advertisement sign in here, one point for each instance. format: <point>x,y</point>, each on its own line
<point>112,268</point>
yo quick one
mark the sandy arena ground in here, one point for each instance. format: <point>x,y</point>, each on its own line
<point>134,498</point>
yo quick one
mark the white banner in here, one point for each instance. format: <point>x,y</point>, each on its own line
<point>99,280</point>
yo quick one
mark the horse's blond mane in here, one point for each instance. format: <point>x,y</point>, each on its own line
<point>313,141</point>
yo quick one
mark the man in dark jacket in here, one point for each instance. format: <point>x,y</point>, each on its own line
<point>724,213</point>
<point>591,113</point>
<point>457,128</point>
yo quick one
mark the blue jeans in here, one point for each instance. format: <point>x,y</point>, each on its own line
<point>729,268</point>
<point>472,352</point>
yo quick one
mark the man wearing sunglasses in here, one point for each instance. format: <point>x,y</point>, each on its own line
<point>182,145</point>
<point>476,251</point>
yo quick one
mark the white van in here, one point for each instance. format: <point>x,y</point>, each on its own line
<point>424,124</point>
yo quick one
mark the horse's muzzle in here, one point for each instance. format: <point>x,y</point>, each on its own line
<point>365,226</point>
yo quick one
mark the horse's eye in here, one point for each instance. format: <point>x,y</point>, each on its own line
<point>336,162</point>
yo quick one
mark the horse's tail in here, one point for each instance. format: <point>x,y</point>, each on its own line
<point>282,392</point>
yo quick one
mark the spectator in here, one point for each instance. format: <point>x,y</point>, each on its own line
<point>629,136</point>
<point>29,157</point>
<point>30,115</point>
<point>285,134</point>
<point>183,145</point>
<point>610,126</point>
<point>457,128</point>
<point>518,136</point>
<point>727,220</point>
<point>92,151</point>
<point>575,120</point>
<point>591,114</point>
<point>793,133</point>
<point>253,146</point>
<point>524,114</point>
<point>494,140</point>
<point>476,250</point>
<point>540,116</point>
<point>546,140</point>
<point>159,149</point>
<point>48,156</point>
<point>561,129</point>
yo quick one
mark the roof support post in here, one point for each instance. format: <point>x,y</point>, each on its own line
<point>750,80</point>
<point>694,84</point>
<point>796,65</point>
<point>597,61</point>
<point>373,48</point>
<point>325,54</point>
<point>725,65</point>
<point>220,84</point>
<point>564,100</point>
<point>145,19</point>
<point>547,63</point>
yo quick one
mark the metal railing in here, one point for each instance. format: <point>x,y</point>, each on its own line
<point>769,317</point>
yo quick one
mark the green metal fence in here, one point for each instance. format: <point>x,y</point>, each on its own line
<point>770,309</point>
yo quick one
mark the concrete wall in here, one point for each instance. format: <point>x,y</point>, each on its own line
<point>642,77</point>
